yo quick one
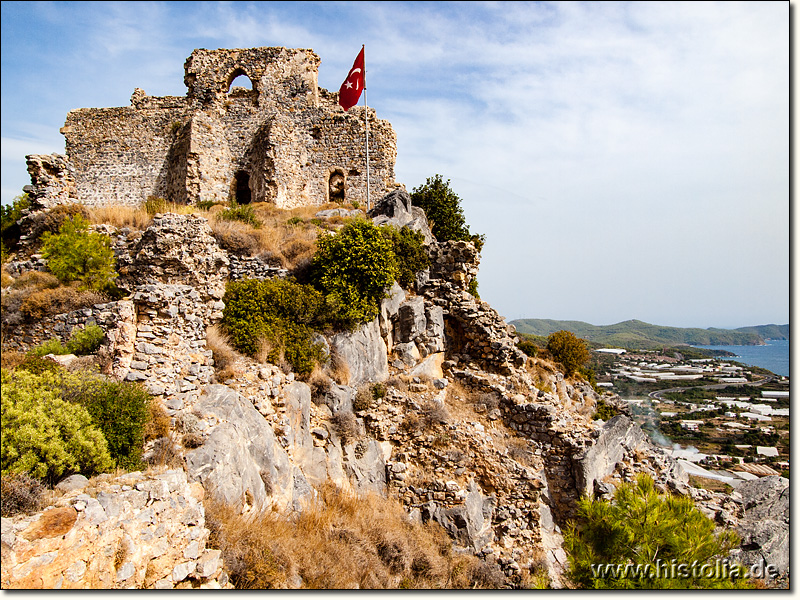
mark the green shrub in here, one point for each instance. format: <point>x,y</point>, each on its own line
<point>353,269</point>
<point>121,410</point>
<point>528,347</point>
<point>567,349</point>
<point>51,346</point>
<point>207,204</point>
<point>45,436</point>
<point>243,213</point>
<point>409,250</point>
<point>443,208</point>
<point>472,288</point>
<point>86,340</point>
<point>9,230</point>
<point>281,311</point>
<point>82,341</point>
<point>76,254</point>
<point>639,528</point>
<point>154,205</point>
<point>604,411</point>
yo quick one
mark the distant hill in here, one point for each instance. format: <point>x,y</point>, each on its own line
<point>768,332</point>
<point>638,334</point>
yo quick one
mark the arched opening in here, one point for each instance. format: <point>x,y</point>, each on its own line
<point>240,79</point>
<point>242,191</point>
<point>336,181</point>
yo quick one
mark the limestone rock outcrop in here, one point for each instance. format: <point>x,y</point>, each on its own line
<point>131,531</point>
<point>395,209</point>
<point>240,460</point>
<point>364,353</point>
<point>764,530</point>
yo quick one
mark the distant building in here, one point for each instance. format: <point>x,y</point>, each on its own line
<point>766,451</point>
<point>774,394</point>
<point>755,416</point>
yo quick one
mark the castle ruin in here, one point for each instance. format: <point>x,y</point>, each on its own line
<point>285,140</point>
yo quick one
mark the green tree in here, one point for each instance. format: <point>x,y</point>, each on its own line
<point>646,531</point>
<point>77,254</point>
<point>442,206</point>
<point>567,349</point>
<point>353,269</point>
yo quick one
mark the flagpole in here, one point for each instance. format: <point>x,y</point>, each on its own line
<point>366,125</point>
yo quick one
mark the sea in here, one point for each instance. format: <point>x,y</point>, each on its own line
<point>774,356</point>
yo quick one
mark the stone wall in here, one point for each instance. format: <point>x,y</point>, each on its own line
<point>474,330</point>
<point>281,141</point>
<point>52,180</point>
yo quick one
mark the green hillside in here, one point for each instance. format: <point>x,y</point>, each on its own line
<point>638,334</point>
<point>768,332</point>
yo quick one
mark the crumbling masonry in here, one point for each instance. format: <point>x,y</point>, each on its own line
<point>285,141</point>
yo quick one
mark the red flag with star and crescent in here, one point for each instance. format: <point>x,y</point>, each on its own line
<point>351,89</point>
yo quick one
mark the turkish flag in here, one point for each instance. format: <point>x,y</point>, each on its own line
<point>350,91</point>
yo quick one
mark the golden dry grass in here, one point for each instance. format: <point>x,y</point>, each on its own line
<point>120,216</point>
<point>218,341</point>
<point>286,236</point>
<point>341,541</point>
<point>7,279</point>
<point>338,370</point>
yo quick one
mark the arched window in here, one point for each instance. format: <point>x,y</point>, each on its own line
<point>336,183</point>
<point>240,79</point>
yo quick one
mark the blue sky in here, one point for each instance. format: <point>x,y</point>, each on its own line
<point>625,160</point>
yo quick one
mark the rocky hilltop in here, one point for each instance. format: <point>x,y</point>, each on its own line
<point>430,406</point>
<point>470,433</point>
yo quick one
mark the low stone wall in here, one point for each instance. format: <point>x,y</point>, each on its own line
<point>253,267</point>
<point>116,319</point>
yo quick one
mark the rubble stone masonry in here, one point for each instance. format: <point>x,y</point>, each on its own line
<point>284,141</point>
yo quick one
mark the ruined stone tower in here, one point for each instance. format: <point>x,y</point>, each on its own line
<point>285,140</point>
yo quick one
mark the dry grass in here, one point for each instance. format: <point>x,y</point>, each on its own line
<point>159,424</point>
<point>461,401</point>
<point>120,216</point>
<point>341,541</point>
<point>5,278</point>
<point>285,237</point>
<point>521,451</point>
<point>219,342</point>
<point>11,359</point>
<point>20,494</point>
<point>35,295</point>
<point>54,301</point>
<point>338,369</point>
<point>346,426</point>
<point>319,382</point>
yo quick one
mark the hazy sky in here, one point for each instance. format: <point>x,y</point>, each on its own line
<point>625,160</point>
